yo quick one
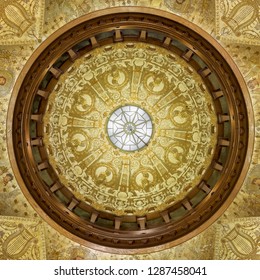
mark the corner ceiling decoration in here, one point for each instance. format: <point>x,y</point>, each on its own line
<point>21,20</point>
<point>238,21</point>
<point>241,231</point>
<point>235,235</point>
<point>199,115</point>
<point>21,239</point>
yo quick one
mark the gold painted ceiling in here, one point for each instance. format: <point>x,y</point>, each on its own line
<point>235,235</point>
<point>184,128</point>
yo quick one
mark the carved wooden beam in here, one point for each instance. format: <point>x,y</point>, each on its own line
<point>43,165</point>
<point>187,55</point>
<point>73,55</point>
<point>37,141</point>
<point>143,35</point>
<point>204,72</point>
<point>142,222</point>
<point>167,41</point>
<point>165,216</point>
<point>223,118</point>
<point>203,186</point>
<point>93,217</point>
<point>56,186</point>
<point>186,203</point>
<point>118,221</point>
<point>37,117</point>
<point>43,93</point>
<point>223,142</point>
<point>217,94</point>
<point>73,203</point>
<point>56,72</point>
<point>118,36</point>
<point>94,42</point>
<point>217,166</point>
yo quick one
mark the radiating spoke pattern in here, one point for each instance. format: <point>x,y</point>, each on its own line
<point>129,128</point>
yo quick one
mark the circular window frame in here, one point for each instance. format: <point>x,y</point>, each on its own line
<point>111,121</point>
<point>62,216</point>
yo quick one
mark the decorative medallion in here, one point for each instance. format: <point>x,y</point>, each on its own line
<point>179,6</point>
<point>168,131</point>
<point>6,82</point>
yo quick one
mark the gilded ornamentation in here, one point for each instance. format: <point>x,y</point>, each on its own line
<point>21,238</point>
<point>21,20</point>
<point>103,174</point>
<point>256,99</point>
<point>239,239</point>
<point>179,6</point>
<point>144,180</point>
<point>114,3</point>
<point>57,13</point>
<point>82,103</point>
<point>2,80</point>
<point>180,115</point>
<point>81,253</point>
<point>6,82</point>
<point>156,84</point>
<point>77,120</point>
<point>78,142</point>
<point>117,77</point>
<point>253,181</point>
<point>238,21</point>
<point>201,247</point>
<point>176,154</point>
<point>15,16</point>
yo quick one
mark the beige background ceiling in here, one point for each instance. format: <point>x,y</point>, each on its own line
<point>40,19</point>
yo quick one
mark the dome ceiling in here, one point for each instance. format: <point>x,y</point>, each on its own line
<point>167,167</point>
<point>78,111</point>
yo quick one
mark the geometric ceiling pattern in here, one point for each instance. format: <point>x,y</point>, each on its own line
<point>236,233</point>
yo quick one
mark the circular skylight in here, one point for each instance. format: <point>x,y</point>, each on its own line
<point>129,128</point>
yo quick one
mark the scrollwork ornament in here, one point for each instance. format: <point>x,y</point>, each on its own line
<point>156,83</point>
<point>103,174</point>
<point>180,115</point>
<point>116,77</point>
<point>83,103</point>
<point>144,180</point>
<point>78,142</point>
